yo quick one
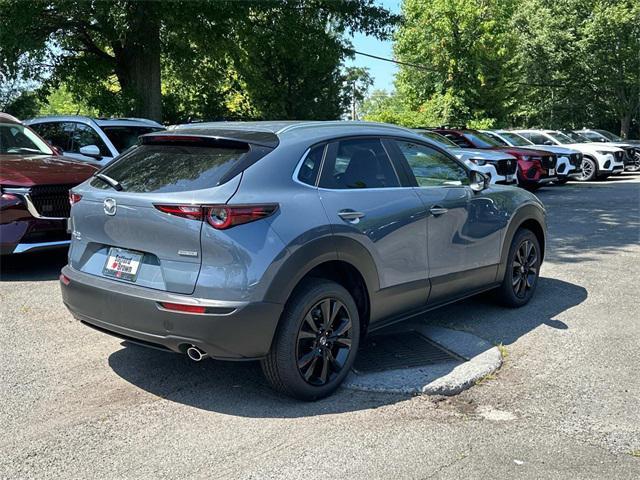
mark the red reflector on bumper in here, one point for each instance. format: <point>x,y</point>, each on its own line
<point>177,307</point>
<point>64,279</point>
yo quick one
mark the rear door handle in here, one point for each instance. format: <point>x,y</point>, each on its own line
<point>437,211</point>
<point>350,215</point>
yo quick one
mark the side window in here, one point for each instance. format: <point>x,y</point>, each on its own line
<point>84,135</point>
<point>311,166</point>
<point>432,168</point>
<point>359,163</point>
<point>537,138</point>
<point>57,134</point>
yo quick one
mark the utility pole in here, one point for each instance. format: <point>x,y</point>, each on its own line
<point>353,101</point>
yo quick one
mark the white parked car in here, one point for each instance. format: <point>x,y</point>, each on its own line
<point>499,167</point>
<point>568,161</point>
<point>598,161</point>
<point>631,147</point>
<point>89,139</point>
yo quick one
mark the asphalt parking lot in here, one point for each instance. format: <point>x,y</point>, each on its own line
<point>75,403</point>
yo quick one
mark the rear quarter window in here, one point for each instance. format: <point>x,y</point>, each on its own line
<point>172,168</point>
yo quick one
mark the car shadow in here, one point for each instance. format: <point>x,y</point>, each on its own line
<point>30,267</point>
<point>238,388</point>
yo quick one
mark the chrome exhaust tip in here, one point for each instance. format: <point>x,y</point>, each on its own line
<point>195,354</point>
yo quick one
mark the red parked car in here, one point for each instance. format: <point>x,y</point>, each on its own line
<point>535,167</point>
<point>34,190</point>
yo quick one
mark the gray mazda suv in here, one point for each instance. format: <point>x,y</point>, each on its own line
<point>288,241</point>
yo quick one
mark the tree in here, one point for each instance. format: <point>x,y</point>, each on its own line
<point>465,52</point>
<point>356,84</point>
<point>114,54</point>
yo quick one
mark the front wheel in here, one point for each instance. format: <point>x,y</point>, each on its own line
<point>523,268</point>
<point>316,342</point>
<point>589,170</point>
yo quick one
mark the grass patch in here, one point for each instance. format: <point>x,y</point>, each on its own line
<point>635,453</point>
<point>504,353</point>
<point>487,378</point>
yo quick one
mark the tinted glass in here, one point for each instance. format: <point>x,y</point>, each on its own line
<point>562,138</point>
<point>172,168</point>
<point>593,136</point>
<point>516,139</point>
<point>360,163</point>
<point>609,135</point>
<point>83,136</point>
<point>481,140</point>
<point>16,139</point>
<point>126,137</point>
<point>311,165</point>
<point>438,139</point>
<point>497,139</point>
<point>57,134</point>
<point>535,138</point>
<point>458,140</point>
<point>432,168</point>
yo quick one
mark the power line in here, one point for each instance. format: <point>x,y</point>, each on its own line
<point>390,60</point>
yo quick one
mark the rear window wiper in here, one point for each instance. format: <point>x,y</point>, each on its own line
<point>109,181</point>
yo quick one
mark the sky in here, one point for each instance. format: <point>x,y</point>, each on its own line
<point>381,71</point>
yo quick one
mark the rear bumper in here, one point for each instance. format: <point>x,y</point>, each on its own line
<point>242,331</point>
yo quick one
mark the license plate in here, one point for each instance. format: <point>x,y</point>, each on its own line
<point>552,171</point>
<point>509,178</point>
<point>123,264</point>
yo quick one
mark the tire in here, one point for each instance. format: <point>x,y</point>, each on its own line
<point>299,356</point>
<point>603,177</point>
<point>510,293</point>
<point>589,170</point>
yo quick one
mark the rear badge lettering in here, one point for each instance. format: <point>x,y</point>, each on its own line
<point>187,253</point>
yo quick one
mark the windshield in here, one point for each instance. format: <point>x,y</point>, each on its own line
<point>609,135</point>
<point>594,136</point>
<point>438,139</point>
<point>124,137</point>
<point>482,140</point>
<point>562,138</point>
<point>516,140</point>
<point>576,137</point>
<point>18,139</point>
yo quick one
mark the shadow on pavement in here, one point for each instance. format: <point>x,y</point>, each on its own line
<point>240,389</point>
<point>30,267</point>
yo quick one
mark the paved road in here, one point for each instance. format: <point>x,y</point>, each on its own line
<point>75,403</point>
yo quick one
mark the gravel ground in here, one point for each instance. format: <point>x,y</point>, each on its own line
<point>75,403</point>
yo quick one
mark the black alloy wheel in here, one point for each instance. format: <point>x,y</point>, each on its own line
<point>324,341</point>
<point>524,269</point>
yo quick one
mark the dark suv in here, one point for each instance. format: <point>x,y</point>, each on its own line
<point>535,167</point>
<point>287,242</point>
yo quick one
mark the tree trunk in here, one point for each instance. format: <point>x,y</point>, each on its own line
<point>625,125</point>
<point>138,61</point>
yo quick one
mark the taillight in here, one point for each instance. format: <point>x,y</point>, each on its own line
<point>64,279</point>
<point>226,216</point>
<point>178,307</point>
<point>74,198</point>
<point>221,217</point>
<point>194,212</point>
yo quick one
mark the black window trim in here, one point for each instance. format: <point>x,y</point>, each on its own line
<point>332,150</point>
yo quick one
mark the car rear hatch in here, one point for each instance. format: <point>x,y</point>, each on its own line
<point>145,233</point>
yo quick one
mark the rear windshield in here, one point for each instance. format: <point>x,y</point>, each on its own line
<point>171,168</point>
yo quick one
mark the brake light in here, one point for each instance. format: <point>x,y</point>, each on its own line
<point>194,212</point>
<point>177,307</point>
<point>221,217</point>
<point>64,279</point>
<point>226,216</point>
<point>74,198</point>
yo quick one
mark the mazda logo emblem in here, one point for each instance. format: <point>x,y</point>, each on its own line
<point>110,206</point>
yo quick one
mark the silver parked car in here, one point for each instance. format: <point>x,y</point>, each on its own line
<point>92,139</point>
<point>287,242</point>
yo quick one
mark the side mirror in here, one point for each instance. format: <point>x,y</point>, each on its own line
<point>548,142</point>
<point>478,181</point>
<point>91,151</point>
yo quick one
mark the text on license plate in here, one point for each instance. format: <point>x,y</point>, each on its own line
<point>122,264</point>
<point>552,171</point>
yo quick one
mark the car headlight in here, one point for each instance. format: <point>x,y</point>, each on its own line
<point>478,161</point>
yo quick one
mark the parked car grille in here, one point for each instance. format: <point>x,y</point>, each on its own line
<point>506,166</point>
<point>51,200</point>
<point>619,156</point>
<point>549,161</point>
<point>575,159</point>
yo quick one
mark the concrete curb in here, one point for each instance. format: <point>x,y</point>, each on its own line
<point>449,378</point>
